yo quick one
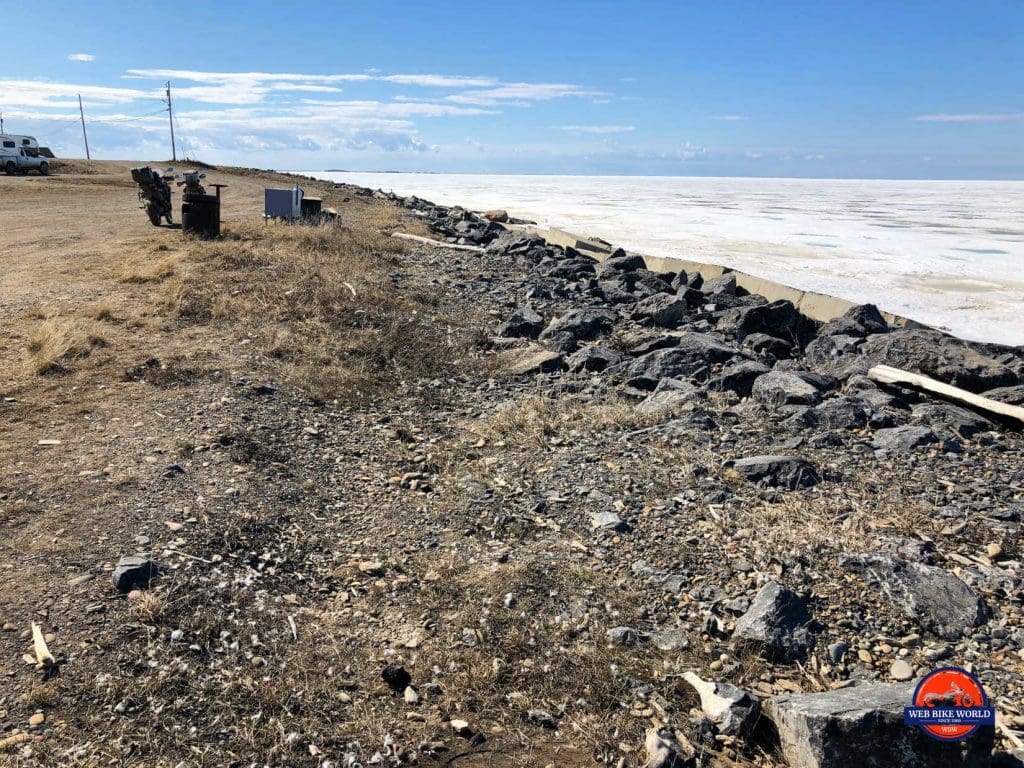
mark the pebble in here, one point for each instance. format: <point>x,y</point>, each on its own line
<point>901,670</point>
<point>460,727</point>
<point>37,719</point>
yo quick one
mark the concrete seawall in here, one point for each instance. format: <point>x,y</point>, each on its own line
<point>817,306</point>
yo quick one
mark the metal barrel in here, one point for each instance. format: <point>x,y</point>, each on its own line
<point>200,215</point>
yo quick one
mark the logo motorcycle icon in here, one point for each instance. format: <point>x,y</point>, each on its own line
<point>949,705</point>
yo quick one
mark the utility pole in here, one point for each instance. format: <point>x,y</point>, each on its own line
<point>1,122</point>
<point>170,119</point>
<point>81,113</point>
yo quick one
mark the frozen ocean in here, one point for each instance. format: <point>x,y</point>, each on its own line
<point>946,253</point>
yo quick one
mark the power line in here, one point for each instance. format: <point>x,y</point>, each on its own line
<point>126,119</point>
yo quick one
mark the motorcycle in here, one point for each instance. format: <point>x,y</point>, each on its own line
<point>154,193</point>
<point>954,697</point>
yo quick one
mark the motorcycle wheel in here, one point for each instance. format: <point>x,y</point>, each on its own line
<point>153,211</point>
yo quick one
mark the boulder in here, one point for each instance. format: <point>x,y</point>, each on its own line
<point>649,284</point>
<point>596,357</point>
<point>777,388</point>
<point>738,377</point>
<point>663,309</point>
<point>733,710</point>
<point>532,359</point>
<point>863,726</point>
<point>861,321</point>
<point>779,318</point>
<point>961,422</point>
<point>789,473</point>
<point>843,413</point>
<point>903,439</point>
<point>765,344</point>
<point>777,624</point>
<point>1010,395</point>
<point>670,394</point>
<point>692,354</point>
<point>719,286</point>
<point>499,216</point>
<point>524,323</point>
<point>621,263</point>
<point>948,359</point>
<point>577,325</point>
<point>937,599</point>
<point>133,572</point>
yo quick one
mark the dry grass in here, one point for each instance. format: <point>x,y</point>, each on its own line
<point>57,343</point>
<point>535,418</point>
<point>147,271</point>
<point>100,310</point>
<point>320,304</point>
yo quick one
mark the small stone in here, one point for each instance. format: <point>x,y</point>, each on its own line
<point>410,695</point>
<point>37,719</point>
<point>371,567</point>
<point>837,651</point>
<point>133,571</point>
<point>865,656</point>
<point>994,551</point>
<point>901,670</point>
<point>396,677</point>
<point>666,749</point>
<point>460,727</point>
<point>622,636</point>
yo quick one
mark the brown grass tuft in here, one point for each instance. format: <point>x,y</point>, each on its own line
<point>57,343</point>
<point>137,271</point>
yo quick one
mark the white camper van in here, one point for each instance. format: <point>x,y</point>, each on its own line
<point>28,143</point>
<point>17,155</point>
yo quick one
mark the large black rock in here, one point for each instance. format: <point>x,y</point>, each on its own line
<point>694,353</point>
<point>790,473</point>
<point>937,599</point>
<point>777,624</point>
<point>863,726</point>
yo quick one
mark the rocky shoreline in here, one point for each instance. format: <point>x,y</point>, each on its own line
<point>793,395</point>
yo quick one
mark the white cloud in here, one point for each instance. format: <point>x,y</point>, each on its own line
<point>814,157</point>
<point>441,81</point>
<point>81,57</point>
<point>37,93</point>
<point>599,129</point>
<point>730,118</point>
<point>521,93</point>
<point>752,155</point>
<point>1012,117</point>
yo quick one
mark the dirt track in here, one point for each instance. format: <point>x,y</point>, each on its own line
<point>88,218</point>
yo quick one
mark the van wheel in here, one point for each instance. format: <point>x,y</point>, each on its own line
<point>9,168</point>
<point>44,169</point>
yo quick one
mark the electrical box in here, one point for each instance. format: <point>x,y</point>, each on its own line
<point>282,203</point>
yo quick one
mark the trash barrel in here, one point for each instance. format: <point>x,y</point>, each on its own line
<point>310,207</point>
<point>200,215</point>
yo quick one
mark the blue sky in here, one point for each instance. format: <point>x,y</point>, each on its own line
<point>895,89</point>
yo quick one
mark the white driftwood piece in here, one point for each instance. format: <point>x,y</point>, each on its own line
<point>889,375</point>
<point>438,243</point>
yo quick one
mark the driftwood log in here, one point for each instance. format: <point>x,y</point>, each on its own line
<point>888,375</point>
